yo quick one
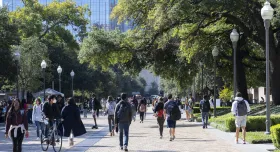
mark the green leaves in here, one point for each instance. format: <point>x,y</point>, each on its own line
<point>104,48</point>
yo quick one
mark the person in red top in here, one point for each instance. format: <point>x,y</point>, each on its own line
<point>16,125</point>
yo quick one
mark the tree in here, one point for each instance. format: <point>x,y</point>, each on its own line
<point>8,38</point>
<point>153,89</point>
<point>32,53</point>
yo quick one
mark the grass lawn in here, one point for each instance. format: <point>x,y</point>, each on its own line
<point>257,137</point>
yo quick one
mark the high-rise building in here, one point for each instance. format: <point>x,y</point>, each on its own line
<point>100,12</point>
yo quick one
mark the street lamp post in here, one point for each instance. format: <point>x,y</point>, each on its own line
<point>201,65</point>
<point>215,53</point>
<point>43,66</point>
<point>72,75</point>
<point>234,36</point>
<point>267,15</point>
<point>17,58</point>
<point>59,71</point>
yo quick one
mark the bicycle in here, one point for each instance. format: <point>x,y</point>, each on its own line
<point>54,138</point>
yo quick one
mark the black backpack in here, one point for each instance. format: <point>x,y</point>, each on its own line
<point>175,113</point>
<point>205,106</point>
<point>123,111</point>
<point>241,108</point>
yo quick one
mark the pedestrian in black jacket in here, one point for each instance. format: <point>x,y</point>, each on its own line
<point>71,119</point>
<point>204,108</point>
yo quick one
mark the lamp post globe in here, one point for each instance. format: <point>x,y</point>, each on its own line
<point>43,64</point>
<point>267,11</point>
<point>17,55</point>
<point>59,70</point>
<point>234,36</point>
<point>215,51</point>
<point>72,73</point>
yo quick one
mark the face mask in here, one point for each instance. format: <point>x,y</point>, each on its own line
<point>54,101</point>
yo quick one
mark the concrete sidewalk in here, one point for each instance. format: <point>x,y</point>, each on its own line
<point>190,137</point>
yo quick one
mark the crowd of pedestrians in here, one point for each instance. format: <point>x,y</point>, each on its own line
<point>120,112</point>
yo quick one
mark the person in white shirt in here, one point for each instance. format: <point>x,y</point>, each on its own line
<point>240,108</point>
<point>37,116</point>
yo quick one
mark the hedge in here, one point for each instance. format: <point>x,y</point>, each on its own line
<point>222,110</point>
<point>254,123</point>
<point>275,134</point>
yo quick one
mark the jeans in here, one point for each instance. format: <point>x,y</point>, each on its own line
<point>39,126</point>
<point>124,128</point>
<point>47,128</point>
<point>204,118</point>
<point>85,113</point>
<point>111,122</point>
<point>160,121</point>
<point>17,141</point>
<point>142,116</point>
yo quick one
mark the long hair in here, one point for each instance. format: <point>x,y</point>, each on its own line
<point>12,108</point>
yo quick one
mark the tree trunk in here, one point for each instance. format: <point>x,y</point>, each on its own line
<point>275,80</point>
<point>241,77</point>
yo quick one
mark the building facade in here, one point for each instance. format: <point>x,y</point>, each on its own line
<point>100,12</point>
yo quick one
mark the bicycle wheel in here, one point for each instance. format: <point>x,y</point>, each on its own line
<point>57,136</point>
<point>44,144</point>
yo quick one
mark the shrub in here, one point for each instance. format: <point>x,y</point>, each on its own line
<point>275,134</point>
<point>226,94</point>
<point>254,123</point>
<point>220,110</point>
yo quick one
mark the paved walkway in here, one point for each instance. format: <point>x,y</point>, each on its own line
<point>144,137</point>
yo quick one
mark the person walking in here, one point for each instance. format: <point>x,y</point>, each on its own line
<point>191,105</point>
<point>142,110</point>
<point>123,118</point>
<point>37,118</point>
<point>94,107</point>
<point>135,105</point>
<point>158,111</point>
<point>72,123</point>
<point>16,125</point>
<point>172,113</point>
<point>187,110</point>
<point>204,109</point>
<point>110,110</point>
<point>240,108</point>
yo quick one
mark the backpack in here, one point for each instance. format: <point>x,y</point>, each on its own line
<point>142,108</point>
<point>160,113</point>
<point>123,111</point>
<point>241,108</point>
<point>175,113</point>
<point>111,108</point>
<point>205,106</point>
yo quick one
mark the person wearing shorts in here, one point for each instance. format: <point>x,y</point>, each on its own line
<point>171,124</point>
<point>240,119</point>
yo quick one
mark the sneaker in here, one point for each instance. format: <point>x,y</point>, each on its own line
<point>37,138</point>
<point>125,148</point>
<point>203,127</point>
<point>160,137</point>
<point>171,139</point>
<point>121,148</point>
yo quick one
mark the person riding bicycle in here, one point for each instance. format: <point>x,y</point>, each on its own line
<point>50,112</point>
